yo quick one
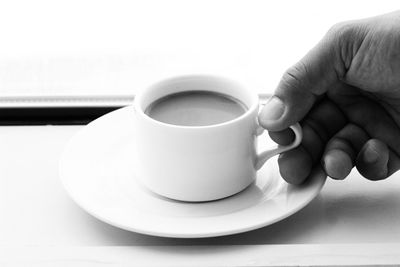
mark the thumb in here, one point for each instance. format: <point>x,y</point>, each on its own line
<point>308,79</point>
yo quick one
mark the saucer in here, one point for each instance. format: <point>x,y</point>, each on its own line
<point>96,169</point>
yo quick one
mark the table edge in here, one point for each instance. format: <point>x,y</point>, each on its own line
<point>358,254</point>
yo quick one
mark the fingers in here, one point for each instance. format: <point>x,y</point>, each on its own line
<point>338,164</point>
<point>378,124</point>
<point>302,84</point>
<point>341,144</point>
<point>284,137</point>
<point>372,161</point>
<point>295,165</point>
<point>324,120</point>
<point>369,115</point>
<point>352,147</point>
<point>341,151</point>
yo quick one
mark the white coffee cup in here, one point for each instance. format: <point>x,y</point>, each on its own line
<point>200,163</point>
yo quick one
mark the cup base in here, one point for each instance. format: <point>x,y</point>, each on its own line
<point>168,197</point>
<point>194,201</point>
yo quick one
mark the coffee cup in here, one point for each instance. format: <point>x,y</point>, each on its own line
<point>214,158</point>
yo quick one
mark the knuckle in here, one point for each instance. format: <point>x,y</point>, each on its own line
<point>346,34</point>
<point>342,30</point>
<point>294,76</point>
<point>346,38</point>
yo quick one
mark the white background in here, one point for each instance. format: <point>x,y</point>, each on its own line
<point>117,47</point>
<point>82,47</point>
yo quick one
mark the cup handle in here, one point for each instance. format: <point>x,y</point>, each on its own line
<point>265,155</point>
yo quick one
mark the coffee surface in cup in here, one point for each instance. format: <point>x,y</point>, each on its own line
<point>196,108</point>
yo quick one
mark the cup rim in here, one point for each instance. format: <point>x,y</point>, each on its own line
<point>249,111</point>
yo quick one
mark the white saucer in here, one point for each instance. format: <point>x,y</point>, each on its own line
<point>97,171</point>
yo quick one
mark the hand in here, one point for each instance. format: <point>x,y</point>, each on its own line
<point>346,94</point>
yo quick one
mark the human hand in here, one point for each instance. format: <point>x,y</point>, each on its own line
<point>346,94</point>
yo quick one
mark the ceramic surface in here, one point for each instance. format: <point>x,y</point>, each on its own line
<point>97,171</point>
<point>199,163</point>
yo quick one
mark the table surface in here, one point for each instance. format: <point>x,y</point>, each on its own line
<point>352,221</point>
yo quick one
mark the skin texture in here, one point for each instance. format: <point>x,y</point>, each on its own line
<point>346,94</point>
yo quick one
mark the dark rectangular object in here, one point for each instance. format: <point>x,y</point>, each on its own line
<point>52,115</point>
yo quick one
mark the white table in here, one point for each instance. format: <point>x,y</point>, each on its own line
<point>351,222</point>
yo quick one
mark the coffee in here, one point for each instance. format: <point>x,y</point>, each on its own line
<point>195,108</point>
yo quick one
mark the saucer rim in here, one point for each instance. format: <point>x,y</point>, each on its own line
<point>314,183</point>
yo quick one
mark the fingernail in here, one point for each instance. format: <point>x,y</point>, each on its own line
<point>273,110</point>
<point>370,155</point>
